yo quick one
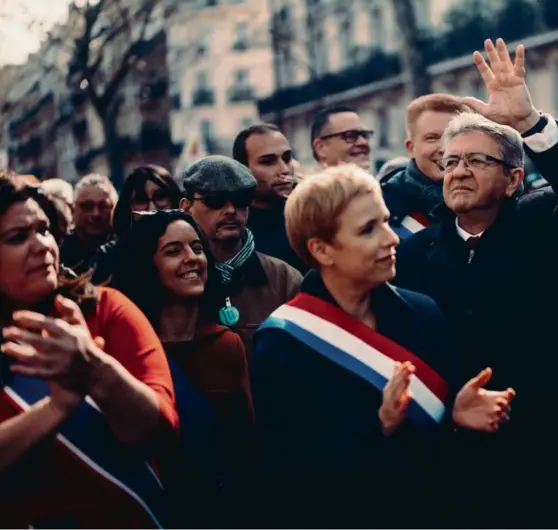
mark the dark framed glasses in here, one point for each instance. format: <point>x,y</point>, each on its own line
<point>351,136</point>
<point>216,201</point>
<point>160,199</point>
<point>472,161</point>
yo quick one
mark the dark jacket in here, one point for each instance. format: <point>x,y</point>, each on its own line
<point>408,191</point>
<point>325,462</point>
<point>270,236</point>
<point>499,308</point>
<point>259,287</point>
<point>75,255</point>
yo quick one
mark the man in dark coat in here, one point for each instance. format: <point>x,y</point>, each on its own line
<point>416,189</point>
<point>476,265</point>
<point>265,150</point>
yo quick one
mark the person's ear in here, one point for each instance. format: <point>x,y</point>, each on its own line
<point>186,204</point>
<point>319,250</point>
<point>514,181</point>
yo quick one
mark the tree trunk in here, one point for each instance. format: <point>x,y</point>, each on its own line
<point>411,53</point>
<point>112,151</point>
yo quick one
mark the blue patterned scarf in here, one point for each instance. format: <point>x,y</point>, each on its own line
<point>227,268</point>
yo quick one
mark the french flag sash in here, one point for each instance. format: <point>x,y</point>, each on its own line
<point>411,224</point>
<point>359,349</point>
<point>88,437</point>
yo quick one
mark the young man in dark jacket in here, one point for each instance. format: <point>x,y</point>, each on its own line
<point>264,150</point>
<point>413,193</point>
<point>475,264</point>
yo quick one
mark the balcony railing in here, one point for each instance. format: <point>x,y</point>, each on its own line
<point>203,96</point>
<point>237,94</point>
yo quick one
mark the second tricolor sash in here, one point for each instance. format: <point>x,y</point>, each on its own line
<point>411,224</point>
<point>359,349</point>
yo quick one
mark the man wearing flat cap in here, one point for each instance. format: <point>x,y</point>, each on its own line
<point>218,195</point>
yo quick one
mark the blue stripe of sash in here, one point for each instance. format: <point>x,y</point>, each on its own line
<point>90,433</point>
<point>415,412</point>
<point>402,231</point>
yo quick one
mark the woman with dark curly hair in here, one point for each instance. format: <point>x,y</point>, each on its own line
<point>147,188</point>
<point>67,460</point>
<point>166,269</point>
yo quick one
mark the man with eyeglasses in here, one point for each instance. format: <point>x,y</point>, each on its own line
<point>95,199</point>
<point>413,192</point>
<point>266,152</point>
<point>218,195</point>
<point>338,136</point>
<point>491,266</point>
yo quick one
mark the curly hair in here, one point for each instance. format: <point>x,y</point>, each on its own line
<point>79,289</point>
<point>137,277</point>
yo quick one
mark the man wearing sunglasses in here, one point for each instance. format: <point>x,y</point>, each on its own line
<point>338,136</point>
<point>218,195</point>
<point>491,267</point>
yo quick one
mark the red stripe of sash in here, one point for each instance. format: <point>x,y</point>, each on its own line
<point>388,347</point>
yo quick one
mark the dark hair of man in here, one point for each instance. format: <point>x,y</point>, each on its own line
<point>239,151</point>
<point>135,184</point>
<point>321,120</point>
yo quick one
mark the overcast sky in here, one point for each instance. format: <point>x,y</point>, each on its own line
<point>22,23</point>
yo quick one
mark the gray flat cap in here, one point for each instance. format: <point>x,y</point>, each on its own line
<point>217,174</point>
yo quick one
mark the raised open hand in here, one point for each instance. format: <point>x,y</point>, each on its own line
<point>482,410</point>
<point>509,99</point>
<point>396,397</point>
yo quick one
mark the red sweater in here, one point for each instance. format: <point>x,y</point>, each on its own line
<point>50,486</point>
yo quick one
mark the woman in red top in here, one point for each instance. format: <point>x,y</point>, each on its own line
<point>67,461</point>
<point>169,274</point>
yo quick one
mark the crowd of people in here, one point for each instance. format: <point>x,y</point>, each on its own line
<point>255,349</point>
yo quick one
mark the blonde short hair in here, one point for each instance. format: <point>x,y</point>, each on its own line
<point>314,207</point>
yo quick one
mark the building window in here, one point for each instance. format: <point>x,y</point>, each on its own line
<point>346,37</point>
<point>242,39</point>
<point>203,45</point>
<point>383,128</point>
<point>241,77</point>
<point>317,51</point>
<point>206,130</point>
<point>378,29</point>
<point>202,79</point>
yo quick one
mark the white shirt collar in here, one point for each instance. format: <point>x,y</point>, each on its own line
<point>463,234</point>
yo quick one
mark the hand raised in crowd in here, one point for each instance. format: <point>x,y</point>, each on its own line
<point>396,397</point>
<point>509,101</point>
<point>482,410</point>
<point>59,349</point>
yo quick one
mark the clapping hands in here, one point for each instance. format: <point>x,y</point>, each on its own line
<point>482,410</point>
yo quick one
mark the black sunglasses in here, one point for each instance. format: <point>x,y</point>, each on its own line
<point>216,201</point>
<point>350,136</point>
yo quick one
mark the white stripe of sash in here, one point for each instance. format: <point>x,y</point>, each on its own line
<point>412,224</point>
<point>361,351</point>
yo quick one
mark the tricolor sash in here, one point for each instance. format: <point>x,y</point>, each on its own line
<point>411,224</point>
<point>87,435</point>
<point>359,349</point>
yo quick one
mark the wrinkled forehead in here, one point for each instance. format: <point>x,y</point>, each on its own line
<point>22,213</point>
<point>97,194</point>
<point>471,142</point>
<point>342,121</point>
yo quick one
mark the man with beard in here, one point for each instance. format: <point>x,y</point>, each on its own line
<point>95,199</point>
<point>218,195</point>
<point>264,150</point>
<point>413,193</point>
<point>338,136</point>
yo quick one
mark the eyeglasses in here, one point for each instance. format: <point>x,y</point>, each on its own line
<point>160,200</point>
<point>216,201</point>
<point>351,136</point>
<point>472,161</point>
